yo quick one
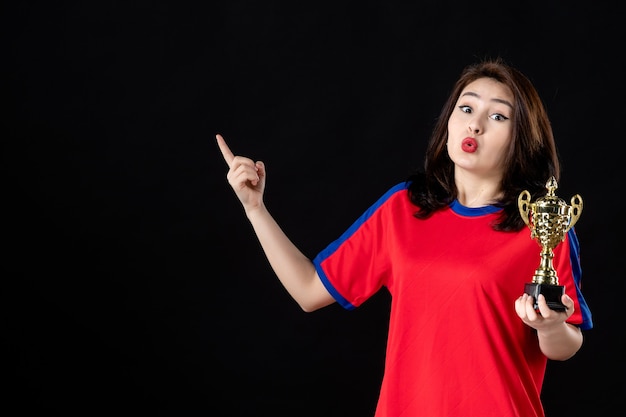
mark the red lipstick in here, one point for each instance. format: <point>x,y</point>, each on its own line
<point>469,145</point>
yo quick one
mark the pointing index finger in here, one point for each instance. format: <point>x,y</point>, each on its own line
<point>226,152</point>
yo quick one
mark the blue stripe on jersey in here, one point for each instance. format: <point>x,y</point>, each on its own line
<point>458,208</point>
<point>574,255</point>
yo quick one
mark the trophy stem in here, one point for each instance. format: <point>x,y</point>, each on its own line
<point>546,274</point>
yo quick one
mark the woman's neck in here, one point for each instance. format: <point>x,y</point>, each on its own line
<point>478,193</point>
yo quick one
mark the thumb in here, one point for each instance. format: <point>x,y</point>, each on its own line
<point>569,303</point>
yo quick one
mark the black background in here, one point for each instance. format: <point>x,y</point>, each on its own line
<point>132,280</point>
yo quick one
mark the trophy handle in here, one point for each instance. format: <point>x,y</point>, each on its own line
<point>523,203</point>
<point>577,208</point>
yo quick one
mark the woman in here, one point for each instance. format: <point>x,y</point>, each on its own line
<point>452,249</point>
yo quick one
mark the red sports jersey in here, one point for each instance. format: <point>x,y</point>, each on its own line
<point>455,347</point>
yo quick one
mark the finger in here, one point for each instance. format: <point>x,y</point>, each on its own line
<point>260,168</point>
<point>529,305</point>
<point>569,303</point>
<point>525,307</point>
<point>226,152</point>
<point>520,307</point>
<point>542,303</point>
<point>242,176</point>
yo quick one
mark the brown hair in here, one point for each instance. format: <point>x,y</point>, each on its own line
<point>530,161</point>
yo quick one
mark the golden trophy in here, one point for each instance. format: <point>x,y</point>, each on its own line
<point>549,219</point>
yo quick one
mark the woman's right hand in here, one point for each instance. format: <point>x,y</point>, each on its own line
<point>246,177</point>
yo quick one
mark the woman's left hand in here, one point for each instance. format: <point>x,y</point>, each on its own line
<point>545,317</point>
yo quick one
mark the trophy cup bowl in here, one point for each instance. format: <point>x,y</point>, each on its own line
<point>549,219</point>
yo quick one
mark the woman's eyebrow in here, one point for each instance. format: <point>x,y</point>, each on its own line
<point>497,100</point>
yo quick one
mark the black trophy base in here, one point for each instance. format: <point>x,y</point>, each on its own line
<point>552,293</point>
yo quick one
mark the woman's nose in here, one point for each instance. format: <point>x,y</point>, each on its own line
<point>474,127</point>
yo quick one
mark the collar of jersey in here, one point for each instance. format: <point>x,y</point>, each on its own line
<point>460,209</point>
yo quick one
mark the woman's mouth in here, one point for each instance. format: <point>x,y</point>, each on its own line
<point>469,145</point>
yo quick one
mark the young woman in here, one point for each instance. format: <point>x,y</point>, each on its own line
<point>452,249</point>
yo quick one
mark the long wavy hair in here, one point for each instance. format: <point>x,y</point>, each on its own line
<point>530,160</point>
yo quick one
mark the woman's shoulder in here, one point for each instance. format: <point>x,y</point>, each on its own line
<point>395,194</point>
<point>396,190</point>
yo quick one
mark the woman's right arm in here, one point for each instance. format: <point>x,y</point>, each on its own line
<point>294,270</point>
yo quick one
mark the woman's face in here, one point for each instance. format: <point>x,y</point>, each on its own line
<point>480,128</point>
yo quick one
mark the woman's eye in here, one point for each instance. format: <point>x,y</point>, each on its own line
<point>465,109</point>
<point>499,117</point>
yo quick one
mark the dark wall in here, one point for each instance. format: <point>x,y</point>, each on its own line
<point>131,278</point>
